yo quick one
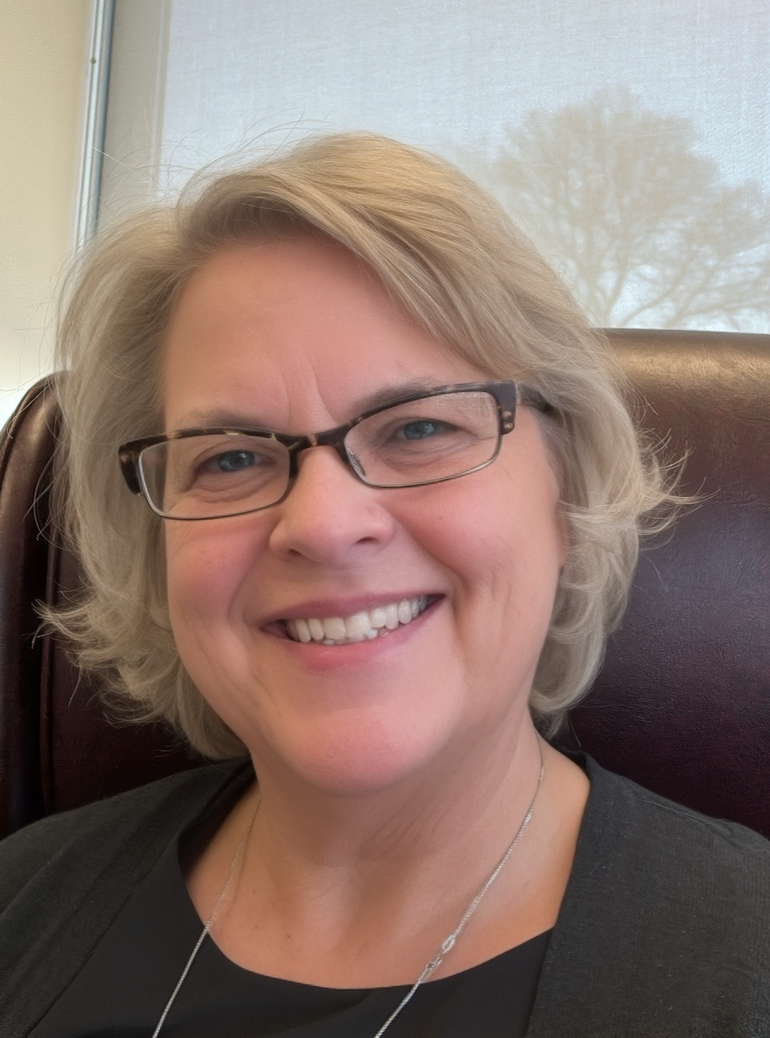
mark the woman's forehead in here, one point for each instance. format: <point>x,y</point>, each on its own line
<point>295,325</point>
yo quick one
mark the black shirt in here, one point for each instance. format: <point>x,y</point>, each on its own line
<point>664,928</point>
<point>122,989</point>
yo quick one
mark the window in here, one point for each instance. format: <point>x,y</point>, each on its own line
<point>629,140</point>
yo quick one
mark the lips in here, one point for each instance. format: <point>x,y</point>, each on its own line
<point>363,626</point>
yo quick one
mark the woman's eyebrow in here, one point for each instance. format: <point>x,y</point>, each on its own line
<point>394,391</point>
<point>219,418</point>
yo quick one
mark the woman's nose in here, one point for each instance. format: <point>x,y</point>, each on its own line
<point>328,512</point>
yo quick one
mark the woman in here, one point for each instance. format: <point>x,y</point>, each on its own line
<point>395,504</point>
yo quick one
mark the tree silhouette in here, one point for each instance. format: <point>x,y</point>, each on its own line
<point>639,223</point>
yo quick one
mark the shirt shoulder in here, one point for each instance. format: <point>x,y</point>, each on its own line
<point>665,925</point>
<point>65,878</point>
<point>643,825</point>
<point>149,812</point>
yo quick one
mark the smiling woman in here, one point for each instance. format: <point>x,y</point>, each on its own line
<point>395,502</point>
<point>455,270</point>
<point>300,339</point>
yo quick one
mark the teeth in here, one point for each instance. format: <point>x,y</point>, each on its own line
<point>303,631</point>
<point>316,630</point>
<point>357,625</point>
<point>334,628</point>
<point>391,617</point>
<point>360,627</point>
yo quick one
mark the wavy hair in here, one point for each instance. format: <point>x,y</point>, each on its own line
<point>454,261</point>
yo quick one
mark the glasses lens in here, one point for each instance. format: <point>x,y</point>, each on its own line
<point>426,440</point>
<point>206,476</point>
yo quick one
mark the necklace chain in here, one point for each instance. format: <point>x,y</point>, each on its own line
<point>451,938</point>
<point>430,967</point>
<point>208,924</point>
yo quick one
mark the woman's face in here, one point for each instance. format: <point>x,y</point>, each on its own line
<point>299,337</point>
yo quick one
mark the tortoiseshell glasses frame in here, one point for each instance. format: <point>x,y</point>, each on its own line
<point>144,462</point>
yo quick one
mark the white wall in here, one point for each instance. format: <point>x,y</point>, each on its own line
<point>43,66</point>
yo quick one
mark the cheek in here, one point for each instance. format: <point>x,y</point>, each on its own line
<point>513,540</point>
<point>205,569</point>
<point>207,574</point>
<point>502,545</point>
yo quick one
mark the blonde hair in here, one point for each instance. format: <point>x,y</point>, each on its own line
<point>454,261</point>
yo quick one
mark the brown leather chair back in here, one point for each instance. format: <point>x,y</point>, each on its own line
<point>682,704</point>
<point>57,747</point>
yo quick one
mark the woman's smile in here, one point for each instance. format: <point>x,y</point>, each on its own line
<point>362,625</point>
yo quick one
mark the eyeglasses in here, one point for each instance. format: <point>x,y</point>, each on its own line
<point>425,438</point>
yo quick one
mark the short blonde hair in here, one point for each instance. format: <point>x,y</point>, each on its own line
<point>458,266</point>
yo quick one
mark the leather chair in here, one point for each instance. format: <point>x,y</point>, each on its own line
<point>682,704</point>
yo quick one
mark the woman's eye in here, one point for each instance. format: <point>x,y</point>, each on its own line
<point>237,461</point>
<point>421,429</point>
<point>233,461</point>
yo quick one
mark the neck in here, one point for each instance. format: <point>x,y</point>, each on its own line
<point>475,801</point>
<point>367,902</point>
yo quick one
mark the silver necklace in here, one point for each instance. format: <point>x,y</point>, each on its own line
<point>430,967</point>
<point>209,921</point>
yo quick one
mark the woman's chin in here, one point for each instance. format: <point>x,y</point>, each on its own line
<point>356,760</point>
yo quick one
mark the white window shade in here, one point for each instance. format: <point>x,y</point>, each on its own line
<point>629,140</point>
